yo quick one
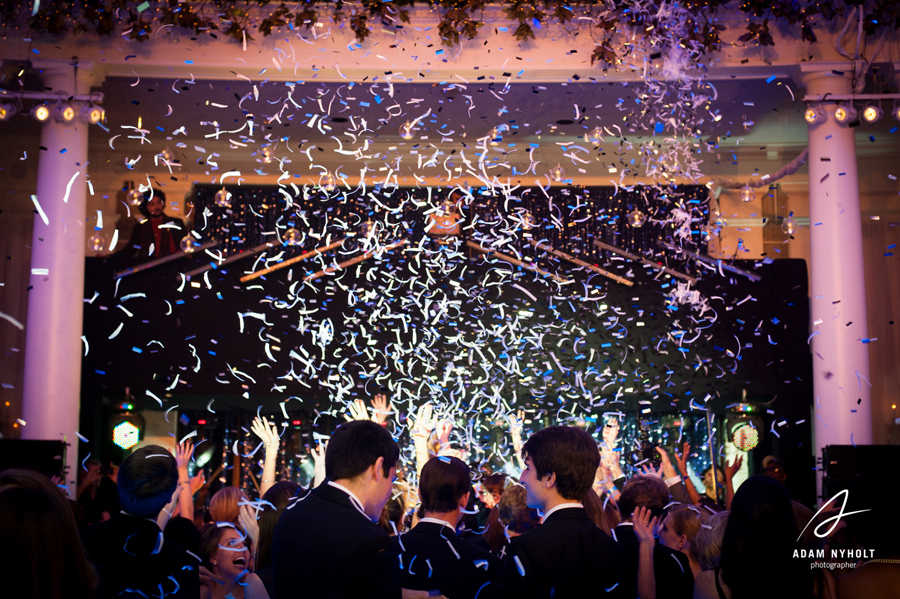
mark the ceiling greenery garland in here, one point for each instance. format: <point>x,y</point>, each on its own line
<point>696,20</point>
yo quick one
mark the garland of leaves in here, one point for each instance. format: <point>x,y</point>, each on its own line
<point>459,18</point>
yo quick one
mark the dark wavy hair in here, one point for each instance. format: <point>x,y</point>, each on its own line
<point>759,542</point>
<point>147,478</point>
<point>569,452</point>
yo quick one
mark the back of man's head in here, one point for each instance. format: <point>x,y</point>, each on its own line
<point>443,483</point>
<point>147,478</point>
<point>569,452</point>
<point>646,491</point>
<point>355,446</point>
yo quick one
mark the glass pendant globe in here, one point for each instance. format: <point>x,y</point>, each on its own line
<point>595,136</point>
<point>97,242</point>
<point>495,136</point>
<point>366,229</point>
<point>266,154</point>
<point>167,155</point>
<point>326,182</point>
<point>558,174</point>
<point>223,198</point>
<point>789,225</point>
<point>636,218</point>
<point>406,130</point>
<point>528,221</point>
<point>291,237</point>
<point>187,244</point>
<point>707,232</point>
<point>748,194</point>
<point>135,198</point>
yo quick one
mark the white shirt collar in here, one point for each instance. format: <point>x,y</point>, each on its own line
<point>438,521</point>
<point>561,506</point>
<point>353,498</point>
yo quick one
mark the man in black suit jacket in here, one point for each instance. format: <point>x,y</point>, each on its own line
<point>326,544</point>
<point>432,556</point>
<point>129,549</point>
<point>159,235</point>
<point>671,568</point>
<point>568,555</point>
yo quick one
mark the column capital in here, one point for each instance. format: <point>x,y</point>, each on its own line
<point>70,72</point>
<point>822,78</point>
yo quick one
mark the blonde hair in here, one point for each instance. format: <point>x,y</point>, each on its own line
<point>223,507</point>
<point>708,543</point>
<point>687,521</point>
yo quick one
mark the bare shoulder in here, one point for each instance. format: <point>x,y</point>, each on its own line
<point>705,586</point>
<point>255,588</point>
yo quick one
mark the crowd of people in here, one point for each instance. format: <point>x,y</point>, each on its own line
<point>572,525</point>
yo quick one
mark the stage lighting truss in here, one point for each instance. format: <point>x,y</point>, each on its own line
<point>93,114</point>
<point>63,109</point>
<point>7,111</point>
<point>40,112</point>
<point>845,113</point>
<point>872,113</point>
<point>814,114</point>
<point>65,113</point>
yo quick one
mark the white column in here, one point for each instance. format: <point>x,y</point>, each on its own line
<point>53,347</point>
<point>842,410</point>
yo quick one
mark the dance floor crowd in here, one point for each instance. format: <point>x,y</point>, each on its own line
<point>572,525</point>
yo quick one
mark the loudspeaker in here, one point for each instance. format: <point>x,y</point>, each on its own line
<point>867,472</point>
<point>46,457</point>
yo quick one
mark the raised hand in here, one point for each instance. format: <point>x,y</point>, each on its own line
<point>183,453</point>
<point>381,408</point>
<point>644,525</point>
<point>267,432</point>
<point>208,579</point>
<point>611,432</point>
<point>319,462</point>
<point>516,423</point>
<point>249,523</point>
<point>649,471</point>
<point>734,467</point>
<point>444,428</point>
<point>681,460</point>
<point>358,411</point>
<point>424,422</point>
<point>610,459</point>
<point>667,469</point>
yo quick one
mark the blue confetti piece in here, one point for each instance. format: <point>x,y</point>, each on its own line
<point>770,79</point>
<point>188,62</point>
<point>659,127</point>
<point>137,350</point>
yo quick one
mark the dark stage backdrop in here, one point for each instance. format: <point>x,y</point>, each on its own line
<point>443,323</point>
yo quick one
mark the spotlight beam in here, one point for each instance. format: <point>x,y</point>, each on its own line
<point>352,261</point>
<point>294,260</point>
<point>631,256</point>
<point>579,262</point>
<point>514,261</point>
